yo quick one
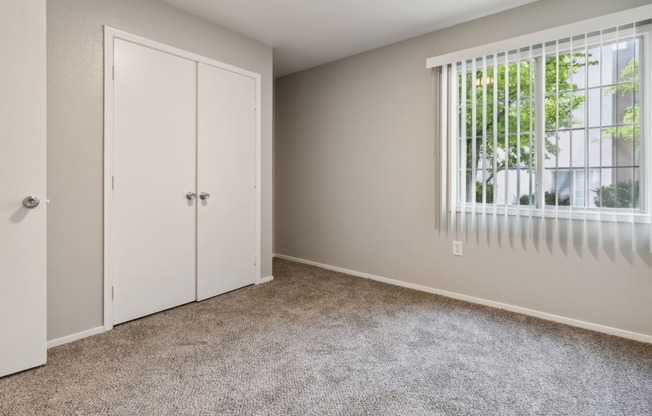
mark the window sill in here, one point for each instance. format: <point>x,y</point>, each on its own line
<point>590,214</point>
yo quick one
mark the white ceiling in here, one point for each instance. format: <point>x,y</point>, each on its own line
<point>307,33</point>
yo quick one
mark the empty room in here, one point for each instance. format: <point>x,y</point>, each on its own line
<point>417,207</point>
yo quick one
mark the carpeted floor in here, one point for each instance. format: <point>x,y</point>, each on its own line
<point>316,342</point>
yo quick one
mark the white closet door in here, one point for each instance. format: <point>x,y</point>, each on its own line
<point>154,168</point>
<point>225,221</point>
<point>22,174</point>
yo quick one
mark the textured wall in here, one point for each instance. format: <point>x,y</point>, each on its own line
<point>354,182</point>
<point>75,137</point>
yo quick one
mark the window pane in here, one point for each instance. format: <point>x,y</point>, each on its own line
<point>578,188</point>
<point>603,196</point>
<point>619,189</point>
<point>636,145</point>
<point>624,103</point>
<point>636,189</point>
<point>607,144</point>
<point>626,49</point>
<point>578,142</point>
<point>550,158</point>
<point>563,149</point>
<point>527,189</point>
<point>594,67</point>
<point>551,70</point>
<point>594,186</point>
<point>565,70</point>
<point>490,188</point>
<point>563,107</point>
<point>469,189</point>
<point>609,100</point>
<point>624,150</point>
<point>609,72</point>
<point>578,73</point>
<point>594,147</point>
<point>557,190</point>
<point>499,183</point>
<point>579,109</point>
<point>594,103</point>
<point>625,189</point>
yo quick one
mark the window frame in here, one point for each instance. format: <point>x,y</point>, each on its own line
<point>639,215</point>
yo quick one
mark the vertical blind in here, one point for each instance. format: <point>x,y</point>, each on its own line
<point>549,141</point>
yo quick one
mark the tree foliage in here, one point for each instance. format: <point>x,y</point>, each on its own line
<point>629,84</point>
<point>623,194</point>
<point>510,120</point>
<point>505,116</point>
<point>551,198</point>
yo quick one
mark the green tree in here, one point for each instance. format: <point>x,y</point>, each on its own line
<point>515,111</point>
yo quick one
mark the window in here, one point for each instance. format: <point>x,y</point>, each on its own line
<point>555,129</point>
<point>557,124</point>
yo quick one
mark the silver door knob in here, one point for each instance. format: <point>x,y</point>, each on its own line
<point>204,196</point>
<point>31,202</point>
<point>190,196</point>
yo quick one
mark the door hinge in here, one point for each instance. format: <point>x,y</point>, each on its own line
<point>112,292</point>
<point>254,259</point>
<point>113,72</point>
<point>113,182</point>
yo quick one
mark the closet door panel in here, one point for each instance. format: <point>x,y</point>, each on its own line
<point>154,168</point>
<point>225,171</point>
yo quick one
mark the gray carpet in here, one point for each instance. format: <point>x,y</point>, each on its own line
<point>315,342</point>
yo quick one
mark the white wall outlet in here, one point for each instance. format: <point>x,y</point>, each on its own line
<point>457,248</point>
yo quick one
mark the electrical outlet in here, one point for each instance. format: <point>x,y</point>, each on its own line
<point>457,248</point>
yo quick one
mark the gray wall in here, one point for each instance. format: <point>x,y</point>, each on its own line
<point>75,137</point>
<point>354,182</point>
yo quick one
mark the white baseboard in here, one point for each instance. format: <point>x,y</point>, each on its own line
<point>100,329</point>
<point>265,280</point>
<point>543,315</point>
<point>75,337</point>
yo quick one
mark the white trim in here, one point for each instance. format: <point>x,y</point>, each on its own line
<point>74,337</point>
<point>471,299</point>
<point>258,178</point>
<point>109,35</point>
<point>265,280</point>
<point>108,171</point>
<point>585,26</point>
<point>561,212</point>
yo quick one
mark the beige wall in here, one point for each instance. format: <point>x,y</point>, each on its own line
<point>75,137</point>
<point>354,182</point>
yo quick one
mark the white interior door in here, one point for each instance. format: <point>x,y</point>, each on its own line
<point>22,173</point>
<point>154,168</point>
<point>225,171</point>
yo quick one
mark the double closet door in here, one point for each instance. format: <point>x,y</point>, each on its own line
<point>183,181</point>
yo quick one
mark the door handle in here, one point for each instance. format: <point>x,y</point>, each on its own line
<point>204,196</point>
<point>190,196</point>
<point>31,202</point>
